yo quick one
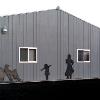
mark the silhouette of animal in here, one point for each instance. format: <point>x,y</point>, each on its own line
<point>11,74</point>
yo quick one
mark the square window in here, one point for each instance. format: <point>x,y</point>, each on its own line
<point>27,55</point>
<point>83,55</point>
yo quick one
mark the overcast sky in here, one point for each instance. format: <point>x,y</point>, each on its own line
<point>87,10</point>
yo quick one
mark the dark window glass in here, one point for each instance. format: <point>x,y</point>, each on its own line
<point>23,54</point>
<point>80,55</point>
<point>83,55</point>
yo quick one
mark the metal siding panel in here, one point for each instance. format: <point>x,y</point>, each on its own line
<point>14,41</point>
<point>76,68</point>
<point>38,45</point>
<point>95,68</point>
<point>52,43</point>
<point>64,43</point>
<point>5,43</point>
<point>20,44</point>
<point>93,53</point>
<point>47,42</point>
<point>42,30</point>
<point>30,43</point>
<point>80,45</point>
<point>35,42</point>
<point>1,44</point>
<point>98,57</point>
<point>10,41</point>
<point>86,46</point>
<point>89,45</point>
<point>59,44</point>
<point>16,32</point>
<point>25,44</point>
<point>99,52</point>
<point>71,37</point>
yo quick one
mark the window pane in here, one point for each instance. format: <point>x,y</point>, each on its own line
<point>80,55</point>
<point>86,55</point>
<point>32,54</point>
<point>23,54</point>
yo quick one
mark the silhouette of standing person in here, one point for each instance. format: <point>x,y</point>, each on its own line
<point>69,70</point>
<point>46,68</point>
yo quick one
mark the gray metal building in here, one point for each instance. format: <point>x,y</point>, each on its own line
<point>54,34</point>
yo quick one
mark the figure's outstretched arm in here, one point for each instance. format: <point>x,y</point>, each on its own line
<point>50,65</point>
<point>42,69</point>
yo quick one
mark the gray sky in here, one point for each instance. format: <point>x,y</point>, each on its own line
<point>87,10</point>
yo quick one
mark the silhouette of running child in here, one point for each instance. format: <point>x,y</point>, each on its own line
<point>46,68</point>
<point>69,70</point>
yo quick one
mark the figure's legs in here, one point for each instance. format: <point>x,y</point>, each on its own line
<point>46,77</point>
<point>70,76</point>
<point>67,77</point>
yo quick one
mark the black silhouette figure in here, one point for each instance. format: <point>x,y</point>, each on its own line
<point>69,70</point>
<point>46,68</point>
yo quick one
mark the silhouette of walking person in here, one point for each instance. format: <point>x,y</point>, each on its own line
<point>46,68</point>
<point>69,70</point>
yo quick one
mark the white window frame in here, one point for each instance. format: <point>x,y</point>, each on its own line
<point>28,55</point>
<point>83,61</point>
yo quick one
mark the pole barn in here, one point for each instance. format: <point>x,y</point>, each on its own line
<point>31,40</point>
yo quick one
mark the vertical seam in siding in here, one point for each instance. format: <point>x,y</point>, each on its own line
<point>8,35</point>
<point>1,46</point>
<point>68,33</point>
<point>57,44</point>
<point>73,40</point>
<point>60,45</point>
<point>99,54</point>
<point>16,40</point>
<point>23,43</point>
<point>76,47</point>
<point>77,44</point>
<point>33,42</point>
<point>98,51</point>
<point>26,44</point>
<point>12,41</point>
<point>1,42</point>
<point>73,37</point>
<point>90,48</point>
<point>36,44</point>
<point>83,48</point>
<point>62,30</point>
<point>39,20</point>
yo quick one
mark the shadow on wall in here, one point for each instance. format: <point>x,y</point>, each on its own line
<point>69,71</point>
<point>11,74</point>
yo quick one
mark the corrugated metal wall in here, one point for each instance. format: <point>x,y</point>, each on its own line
<point>78,34</point>
<point>55,33</point>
